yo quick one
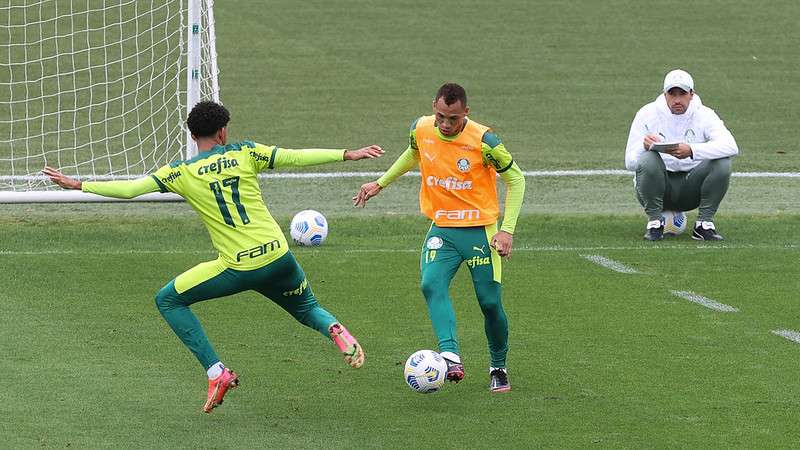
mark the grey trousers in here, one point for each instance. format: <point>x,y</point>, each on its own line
<point>703,187</point>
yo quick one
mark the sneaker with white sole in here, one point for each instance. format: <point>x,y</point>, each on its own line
<point>655,230</point>
<point>455,370</point>
<point>705,231</point>
<point>498,380</point>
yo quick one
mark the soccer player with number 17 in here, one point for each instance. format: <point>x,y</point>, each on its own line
<point>221,184</point>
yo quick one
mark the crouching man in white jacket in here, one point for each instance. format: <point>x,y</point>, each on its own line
<point>681,152</point>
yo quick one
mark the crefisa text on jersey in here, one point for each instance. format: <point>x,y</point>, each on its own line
<point>217,166</point>
<point>259,157</point>
<point>449,183</point>
<point>171,177</point>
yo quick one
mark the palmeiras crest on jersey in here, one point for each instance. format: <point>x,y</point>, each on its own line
<point>463,164</point>
<point>434,242</point>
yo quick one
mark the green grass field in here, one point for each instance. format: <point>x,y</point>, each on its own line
<point>559,82</point>
<point>598,358</point>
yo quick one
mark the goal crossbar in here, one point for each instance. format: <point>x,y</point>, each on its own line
<point>99,90</point>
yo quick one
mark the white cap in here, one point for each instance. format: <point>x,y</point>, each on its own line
<point>680,79</point>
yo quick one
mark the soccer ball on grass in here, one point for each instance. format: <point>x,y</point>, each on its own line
<point>308,228</point>
<point>674,222</point>
<point>425,371</point>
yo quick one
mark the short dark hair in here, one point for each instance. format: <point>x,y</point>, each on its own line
<point>451,93</point>
<point>206,118</point>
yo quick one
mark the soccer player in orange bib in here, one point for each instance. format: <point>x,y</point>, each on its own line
<point>458,159</point>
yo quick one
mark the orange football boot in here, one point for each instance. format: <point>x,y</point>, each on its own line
<point>349,346</point>
<point>218,387</point>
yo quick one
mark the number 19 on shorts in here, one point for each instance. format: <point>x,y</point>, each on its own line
<point>429,256</point>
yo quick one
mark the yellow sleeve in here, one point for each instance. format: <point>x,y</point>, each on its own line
<point>284,157</point>
<point>497,156</point>
<point>272,157</point>
<point>122,189</point>
<point>407,160</point>
<point>515,191</point>
<point>262,156</point>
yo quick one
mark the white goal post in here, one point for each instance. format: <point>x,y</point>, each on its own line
<point>99,89</point>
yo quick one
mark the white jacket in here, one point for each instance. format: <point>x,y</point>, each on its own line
<point>699,126</point>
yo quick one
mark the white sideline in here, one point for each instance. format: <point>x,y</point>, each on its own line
<point>558,248</point>
<point>56,196</point>
<point>527,173</point>
<point>610,264</point>
<point>791,335</point>
<point>379,250</point>
<point>703,301</point>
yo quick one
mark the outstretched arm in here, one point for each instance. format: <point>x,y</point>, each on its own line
<point>403,164</point>
<point>115,189</point>
<point>372,151</point>
<point>284,157</point>
<point>60,179</point>
<point>408,159</point>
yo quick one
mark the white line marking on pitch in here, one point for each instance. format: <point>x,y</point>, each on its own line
<point>788,334</point>
<point>105,252</point>
<point>302,175</point>
<point>527,173</point>
<point>546,248</point>
<point>610,264</point>
<point>704,301</point>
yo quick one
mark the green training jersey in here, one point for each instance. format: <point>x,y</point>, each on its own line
<point>221,184</point>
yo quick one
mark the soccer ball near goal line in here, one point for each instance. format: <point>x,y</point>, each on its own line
<point>674,222</point>
<point>425,371</point>
<point>308,228</point>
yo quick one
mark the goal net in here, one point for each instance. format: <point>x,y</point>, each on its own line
<point>99,88</point>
